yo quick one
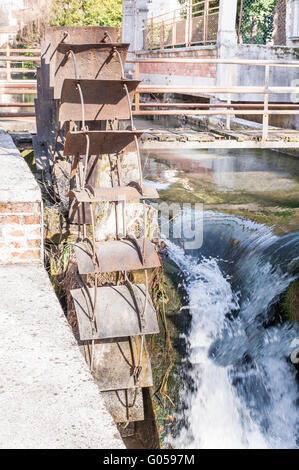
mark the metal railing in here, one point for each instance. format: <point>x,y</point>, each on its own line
<point>225,107</point>
<point>264,108</point>
<point>17,77</point>
<point>191,24</point>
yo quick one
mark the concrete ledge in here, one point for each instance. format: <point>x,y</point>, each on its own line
<point>48,398</point>
<point>178,51</point>
<point>17,183</point>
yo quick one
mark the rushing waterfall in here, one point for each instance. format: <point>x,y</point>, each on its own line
<point>244,389</point>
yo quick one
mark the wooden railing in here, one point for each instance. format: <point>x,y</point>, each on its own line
<point>227,108</point>
<point>224,107</point>
<point>17,77</point>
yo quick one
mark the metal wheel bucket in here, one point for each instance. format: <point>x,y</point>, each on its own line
<point>117,312</point>
<point>88,61</point>
<point>116,255</point>
<point>102,100</point>
<point>100,142</point>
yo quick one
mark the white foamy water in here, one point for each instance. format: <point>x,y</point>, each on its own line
<point>236,404</point>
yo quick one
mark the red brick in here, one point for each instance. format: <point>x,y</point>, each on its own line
<point>16,233</point>
<point>190,69</point>
<point>15,244</point>
<point>33,243</point>
<point>15,254</point>
<point>26,255</point>
<point>9,219</point>
<point>36,233</point>
<point>13,208</point>
<point>31,219</point>
<point>30,254</point>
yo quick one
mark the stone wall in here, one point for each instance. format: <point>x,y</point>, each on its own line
<point>20,208</point>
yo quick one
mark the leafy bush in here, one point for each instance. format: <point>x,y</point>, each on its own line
<point>86,12</point>
<point>258,21</point>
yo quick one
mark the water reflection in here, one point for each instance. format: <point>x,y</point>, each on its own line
<point>227,170</point>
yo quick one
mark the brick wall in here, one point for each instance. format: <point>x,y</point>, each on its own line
<point>20,208</point>
<point>178,73</point>
<point>180,69</point>
<point>20,233</point>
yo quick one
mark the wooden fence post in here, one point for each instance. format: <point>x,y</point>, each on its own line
<point>205,21</point>
<point>8,68</point>
<point>174,29</point>
<point>190,8</point>
<point>137,96</point>
<point>152,34</point>
<point>266,104</point>
<point>229,101</point>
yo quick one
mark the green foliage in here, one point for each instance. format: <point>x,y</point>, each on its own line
<point>86,12</point>
<point>29,65</point>
<point>257,21</point>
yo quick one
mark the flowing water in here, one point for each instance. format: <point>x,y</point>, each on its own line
<point>241,391</point>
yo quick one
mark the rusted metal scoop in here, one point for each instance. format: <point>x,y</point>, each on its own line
<point>102,99</point>
<point>101,142</point>
<point>83,61</point>
<point>115,360</point>
<point>116,255</point>
<point>72,35</point>
<point>118,403</point>
<point>117,312</point>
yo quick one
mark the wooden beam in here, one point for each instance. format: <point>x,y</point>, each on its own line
<point>23,51</point>
<point>220,143</point>
<point>218,105</point>
<point>215,89</point>
<point>262,63</point>
<point>224,112</point>
<point>16,105</point>
<point>13,115</point>
<point>21,58</point>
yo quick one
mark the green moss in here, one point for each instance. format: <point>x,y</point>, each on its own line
<point>177,323</point>
<point>28,156</point>
<point>290,303</point>
<point>279,208</point>
<point>284,213</point>
<point>180,195</point>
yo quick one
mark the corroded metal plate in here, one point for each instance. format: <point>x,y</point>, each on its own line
<point>116,313</point>
<point>117,402</point>
<point>101,142</point>
<point>119,193</point>
<point>81,34</point>
<point>98,61</point>
<point>114,362</point>
<point>75,35</point>
<point>103,99</point>
<point>116,255</point>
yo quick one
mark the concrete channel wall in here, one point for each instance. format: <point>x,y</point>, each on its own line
<point>48,398</point>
